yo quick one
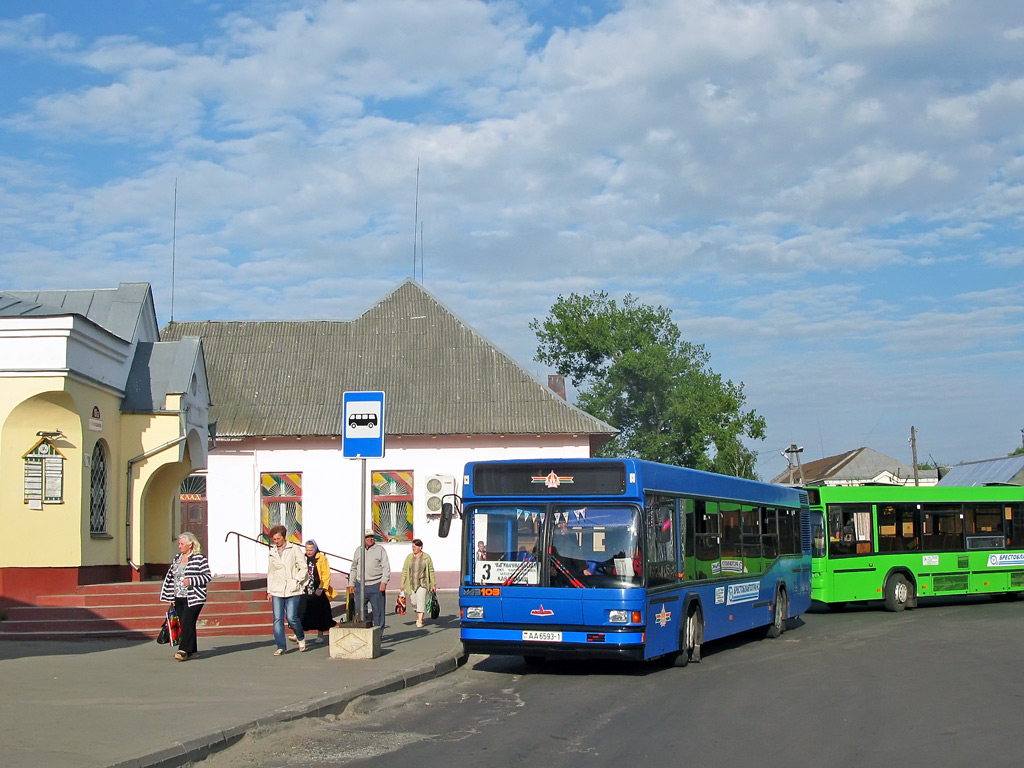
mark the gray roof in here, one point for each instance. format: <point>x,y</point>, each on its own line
<point>858,465</point>
<point>160,369</point>
<point>439,376</point>
<point>1005,471</point>
<point>116,310</point>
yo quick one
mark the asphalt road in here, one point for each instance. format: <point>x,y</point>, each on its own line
<point>938,686</point>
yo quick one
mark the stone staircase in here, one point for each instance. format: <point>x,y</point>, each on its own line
<point>133,610</point>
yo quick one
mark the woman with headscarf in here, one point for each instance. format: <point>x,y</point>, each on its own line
<point>316,613</point>
<point>185,588</point>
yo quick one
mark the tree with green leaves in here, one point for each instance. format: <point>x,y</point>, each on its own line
<point>631,369</point>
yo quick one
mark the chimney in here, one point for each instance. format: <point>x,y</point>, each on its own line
<point>556,384</point>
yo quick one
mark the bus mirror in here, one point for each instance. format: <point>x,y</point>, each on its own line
<point>446,520</point>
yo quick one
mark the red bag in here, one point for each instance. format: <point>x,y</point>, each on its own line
<point>400,603</point>
<point>174,626</point>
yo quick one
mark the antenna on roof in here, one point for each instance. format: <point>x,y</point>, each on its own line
<point>421,253</point>
<point>174,242</point>
<point>416,219</point>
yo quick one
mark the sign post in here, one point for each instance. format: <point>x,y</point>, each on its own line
<point>362,438</point>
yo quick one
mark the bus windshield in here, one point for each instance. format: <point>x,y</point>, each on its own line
<point>595,546</point>
<point>587,546</point>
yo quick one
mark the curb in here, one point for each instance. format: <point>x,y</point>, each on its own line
<point>195,749</point>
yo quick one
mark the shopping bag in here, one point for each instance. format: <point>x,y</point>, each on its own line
<point>173,626</point>
<point>350,608</point>
<point>400,603</point>
<point>164,636</point>
<point>435,606</point>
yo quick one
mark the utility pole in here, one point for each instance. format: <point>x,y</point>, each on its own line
<point>913,452</point>
<point>795,449</point>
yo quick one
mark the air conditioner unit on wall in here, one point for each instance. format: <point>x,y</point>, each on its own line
<point>438,486</point>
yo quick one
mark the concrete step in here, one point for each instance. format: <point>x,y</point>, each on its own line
<point>134,611</point>
<point>120,611</point>
<point>120,633</point>
<point>146,587</point>
<point>89,599</point>
<point>147,626</point>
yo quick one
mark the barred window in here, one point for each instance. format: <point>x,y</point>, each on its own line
<point>392,505</point>
<point>281,503</point>
<point>98,490</point>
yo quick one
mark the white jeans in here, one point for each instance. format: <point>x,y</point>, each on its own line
<point>418,600</point>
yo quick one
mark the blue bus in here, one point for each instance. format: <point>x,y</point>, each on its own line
<point>621,558</point>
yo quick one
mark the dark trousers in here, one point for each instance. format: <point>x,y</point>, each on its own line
<point>377,600</point>
<point>188,616</point>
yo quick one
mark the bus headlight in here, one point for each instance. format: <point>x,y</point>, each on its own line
<point>474,611</point>
<point>618,616</point>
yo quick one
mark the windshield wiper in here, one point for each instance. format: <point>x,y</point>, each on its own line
<point>518,573</point>
<point>560,567</point>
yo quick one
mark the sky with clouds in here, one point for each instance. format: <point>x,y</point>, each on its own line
<point>827,195</point>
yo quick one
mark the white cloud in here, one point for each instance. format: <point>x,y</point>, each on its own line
<point>798,180</point>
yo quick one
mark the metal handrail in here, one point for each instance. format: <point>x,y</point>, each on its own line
<point>238,552</point>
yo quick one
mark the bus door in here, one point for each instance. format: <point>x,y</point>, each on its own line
<point>820,577</point>
<point>664,622</point>
<point>664,602</point>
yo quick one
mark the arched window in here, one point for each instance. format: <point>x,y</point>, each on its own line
<point>98,490</point>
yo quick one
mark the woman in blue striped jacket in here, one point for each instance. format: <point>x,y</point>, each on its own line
<point>185,587</point>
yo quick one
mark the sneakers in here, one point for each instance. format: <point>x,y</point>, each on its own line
<point>321,639</point>
<point>302,645</point>
<point>279,652</point>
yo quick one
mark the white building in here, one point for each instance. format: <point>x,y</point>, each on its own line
<point>277,387</point>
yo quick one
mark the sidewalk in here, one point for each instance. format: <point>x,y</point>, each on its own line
<point>122,703</point>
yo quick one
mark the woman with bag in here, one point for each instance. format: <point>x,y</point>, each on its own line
<point>185,588</point>
<point>316,613</point>
<point>286,576</point>
<point>418,579</point>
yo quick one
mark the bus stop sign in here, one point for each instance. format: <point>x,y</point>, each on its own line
<point>363,428</point>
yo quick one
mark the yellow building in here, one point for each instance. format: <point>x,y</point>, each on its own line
<point>100,421</point>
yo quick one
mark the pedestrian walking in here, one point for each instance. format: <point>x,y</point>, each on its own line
<point>286,577</point>
<point>316,608</point>
<point>185,588</point>
<point>418,579</point>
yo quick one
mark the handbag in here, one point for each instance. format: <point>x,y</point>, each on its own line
<point>173,626</point>
<point>164,636</point>
<point>435,606</point>
<point>400,603</point>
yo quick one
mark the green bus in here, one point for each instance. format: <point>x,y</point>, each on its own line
<point>898,543</point>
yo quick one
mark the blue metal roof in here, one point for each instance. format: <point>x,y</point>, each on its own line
<point>1007,471</point>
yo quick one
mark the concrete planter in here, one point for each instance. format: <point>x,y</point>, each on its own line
<point>349,641</point>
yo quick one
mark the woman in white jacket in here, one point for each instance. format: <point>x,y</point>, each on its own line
<point>286,571</point>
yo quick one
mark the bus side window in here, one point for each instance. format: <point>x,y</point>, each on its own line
<point>849,529</point>
<point>817,535</point>
<point>663,566</point>
<point>708,553</point>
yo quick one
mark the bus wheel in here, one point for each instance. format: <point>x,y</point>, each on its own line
<point>780,611</point>
<point>898,592</point>
<point>693,636</point>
